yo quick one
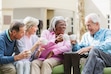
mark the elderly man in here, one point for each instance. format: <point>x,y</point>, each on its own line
<point>7,45</point>
<point>97,41</point>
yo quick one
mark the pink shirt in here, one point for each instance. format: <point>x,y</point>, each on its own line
<point>58,48</point>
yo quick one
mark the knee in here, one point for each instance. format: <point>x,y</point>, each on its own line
<point>27,63</point>
<point>94,50</point>
<point>19,64</point>
<point>46,62</point>
<point>34,62</point>
<point>12,70</point>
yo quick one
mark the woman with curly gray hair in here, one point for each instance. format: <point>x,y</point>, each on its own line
<point>52,54</point>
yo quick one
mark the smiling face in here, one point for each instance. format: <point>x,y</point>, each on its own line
<point>92,27</point>
<point>33,29</point>
<point>19,34</point>
<point>60,27</point>
<point>16,30</point>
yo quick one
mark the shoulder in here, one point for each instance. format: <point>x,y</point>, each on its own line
<point>105,31</point>
<point>46,32</point>
<point>3,35</point>
<point>21,41</point>
<point>34,37</point>
<point>86,34</point>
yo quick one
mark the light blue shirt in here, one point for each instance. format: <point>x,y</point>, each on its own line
<point>101,40</point>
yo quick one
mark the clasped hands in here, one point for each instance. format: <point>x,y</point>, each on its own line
<point>59,38</point>
<point>22,55</point>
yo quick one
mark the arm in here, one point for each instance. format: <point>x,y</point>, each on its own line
<point>60,49</point>
<point>105,44</point>
<point>84,50</point>
<point>46,35</point>
<point>83,43</point>
<point>4,59</point>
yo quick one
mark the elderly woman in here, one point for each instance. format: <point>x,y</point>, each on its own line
<point>26,43</point>
<point>52,54</point>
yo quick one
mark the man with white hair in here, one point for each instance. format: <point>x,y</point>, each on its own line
<point>97,41</point>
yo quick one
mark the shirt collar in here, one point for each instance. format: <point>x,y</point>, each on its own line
<point>52,32</point>
<point>97,33</point>
<point>7,33</point>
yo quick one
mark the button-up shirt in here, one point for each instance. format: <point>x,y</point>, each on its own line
<point>100,40</point>
<point>58,48</point>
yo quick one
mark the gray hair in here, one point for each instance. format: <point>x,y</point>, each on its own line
<point>54,22</point>
<point>30,21</point>
<point>94,17</point>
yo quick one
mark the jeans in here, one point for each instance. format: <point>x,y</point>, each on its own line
<point>23,67</point>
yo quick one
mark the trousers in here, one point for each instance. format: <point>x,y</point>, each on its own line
<point>96,61</point>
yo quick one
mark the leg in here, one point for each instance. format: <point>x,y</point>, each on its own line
<point>96,55</point>
<point>8,69</point>
<point>104,61</point>
<point>36,66</point>
<point>19,67</point>
<point>26,67</point>
<point>48,64</point>
<point>99,66</point>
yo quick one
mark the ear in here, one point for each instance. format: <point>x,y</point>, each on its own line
<point>14,32</point>
<point>97,23</point>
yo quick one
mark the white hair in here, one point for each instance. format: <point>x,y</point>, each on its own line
<point>94,17</point>
<point>54,21</point>
<point>30,21</point>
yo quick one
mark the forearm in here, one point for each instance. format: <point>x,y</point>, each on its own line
<point>6,59</point>
<point>89,48</point>
<point>62,49</point>
<point>16,58</point>
<point>38,54</point>
<point>51,53</point>
<point>34,47</point>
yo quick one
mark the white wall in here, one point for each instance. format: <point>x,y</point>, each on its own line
<point>21,13</point>
<point>63,4</point>
<point>36,8</point>
<point>102,7</point>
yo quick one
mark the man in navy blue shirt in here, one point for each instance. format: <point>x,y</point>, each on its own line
<point>97,41</point>
<point>7,45</point>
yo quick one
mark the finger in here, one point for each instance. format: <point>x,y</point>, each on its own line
<point>79,51</point>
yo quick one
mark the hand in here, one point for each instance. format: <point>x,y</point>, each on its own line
<point>38,42</point>
<point>41,49</point>
<point>51,53</point>
<point>35,46</point>
<point>29,53</point>
<point>20,56</point>
<point>73,41</point>
<point>59,38</point>
<point>84,50</point>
